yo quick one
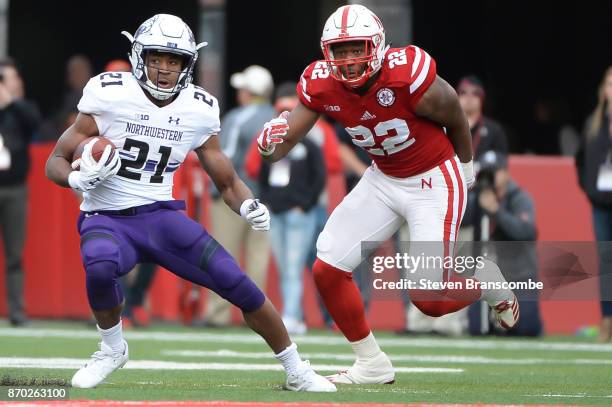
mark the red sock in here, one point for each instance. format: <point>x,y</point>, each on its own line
<point>342,299</point>
<point>438,303</point>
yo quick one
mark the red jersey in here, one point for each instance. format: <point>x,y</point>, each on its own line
<point>382,121</point>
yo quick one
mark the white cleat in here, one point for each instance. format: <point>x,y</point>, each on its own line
<point>507,312</point>
<point>377,370</point>
<point>101,364</point>
<point>306,379</point>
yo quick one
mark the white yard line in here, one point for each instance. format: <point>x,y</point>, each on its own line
<point>69,363</point>
<point>226,353</point>
<point>501,344</point>
<point>578,396</point>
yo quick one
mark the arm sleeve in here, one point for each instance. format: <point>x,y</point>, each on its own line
<point>422,73</point>
<point>518,221</point>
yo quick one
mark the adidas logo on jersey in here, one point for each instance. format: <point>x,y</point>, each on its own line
<point>367,116</point>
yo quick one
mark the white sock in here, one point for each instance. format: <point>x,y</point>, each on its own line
<point>491,273</point>
<point>366,348</point>
<point>289,358</point>
<point>113,337</point>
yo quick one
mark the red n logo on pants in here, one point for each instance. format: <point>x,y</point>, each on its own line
<point>423,183</point>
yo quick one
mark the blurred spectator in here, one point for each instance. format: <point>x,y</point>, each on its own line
<point>594,165</point>
<point>551,133</point>
<point>78,73</point>
<point>134,312</point>
<point>239,127</point>
<point>291,188</point>
<point>118,65</point>
<point>487,135</point>
<point>511,214</point>
<point>19,119</point>
<point>324,137</point>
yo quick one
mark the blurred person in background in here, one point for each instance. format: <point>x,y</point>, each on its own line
<point>254,87</point>
<point>19,120</point>
<point>291,188</point>
<point>594,165</point>
<point>487,135</point>
<point>78,72</point>
<point>511,214</point>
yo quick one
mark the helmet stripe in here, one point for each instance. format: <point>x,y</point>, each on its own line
<point>345,13</point>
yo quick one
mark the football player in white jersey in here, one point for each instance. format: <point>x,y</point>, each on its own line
<point>154,116</point>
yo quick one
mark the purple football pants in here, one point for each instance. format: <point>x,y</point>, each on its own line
<point>113,242</point>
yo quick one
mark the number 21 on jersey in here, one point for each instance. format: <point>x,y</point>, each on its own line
<point>364,138</point>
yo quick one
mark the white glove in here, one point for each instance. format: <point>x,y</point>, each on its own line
<point>92,173</point>
<point>256,214</point>
<point>468,173</point>
<point>272,134</point>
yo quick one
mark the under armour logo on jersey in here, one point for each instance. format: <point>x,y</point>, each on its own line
<point>175,121</point>
<point>367,116</point>
<point>424,182</point>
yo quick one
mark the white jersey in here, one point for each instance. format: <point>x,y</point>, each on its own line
<point>151,141</point>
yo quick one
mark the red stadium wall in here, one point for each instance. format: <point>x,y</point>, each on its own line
<point>55,278</point>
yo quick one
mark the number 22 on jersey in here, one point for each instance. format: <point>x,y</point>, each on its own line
<point>364,138</point>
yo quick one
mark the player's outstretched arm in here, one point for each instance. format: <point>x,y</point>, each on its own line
<point>440,103</point>
<point>58,164</point>
<point>280,135</point>
<point>234,192</point>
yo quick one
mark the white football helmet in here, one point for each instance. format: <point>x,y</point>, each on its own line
<point>163,33</point>
<point>354,23</point>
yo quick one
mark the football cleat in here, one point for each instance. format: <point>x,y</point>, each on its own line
<point>377,370</point>
<point>101,364</point>
<point>306,379</point>
<point>507,312</point>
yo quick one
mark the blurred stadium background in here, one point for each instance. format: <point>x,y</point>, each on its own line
<point>526,53</point>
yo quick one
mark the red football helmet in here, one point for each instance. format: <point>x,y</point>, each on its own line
<point>354,23</point>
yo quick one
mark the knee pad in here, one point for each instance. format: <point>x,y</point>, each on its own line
<point>100,255</point>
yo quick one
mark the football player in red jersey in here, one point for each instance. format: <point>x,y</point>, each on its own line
<point>409,120</point>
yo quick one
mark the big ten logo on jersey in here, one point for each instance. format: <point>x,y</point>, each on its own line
<point>397,58</point>
<point>389,137</point>
<point>320,70</point>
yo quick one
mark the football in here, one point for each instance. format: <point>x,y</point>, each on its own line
<point>96,151</point>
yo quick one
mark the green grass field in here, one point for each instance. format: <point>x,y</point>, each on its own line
<point>176,363</point>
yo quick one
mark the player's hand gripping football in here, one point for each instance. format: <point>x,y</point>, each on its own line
<point>256,214</point>
<point>92,173</point>
<point>272,134</point>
